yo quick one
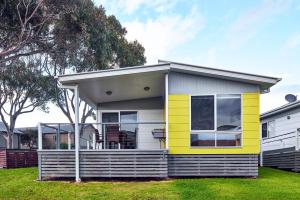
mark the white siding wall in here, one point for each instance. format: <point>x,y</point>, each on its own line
<point>15,143</point>
<point>285,131</point>
<point>2,141</point>
<point>148,110</point>
<point>180,83</point>
<point>145,138</point>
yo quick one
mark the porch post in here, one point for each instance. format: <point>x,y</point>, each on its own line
<point>297,139</point>
<point>76,92</point>
<point>167,109</point>
<point>40,135</point>
<point>69,140</point>
<point>58,137</point>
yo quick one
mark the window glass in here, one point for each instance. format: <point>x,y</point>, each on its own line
<point>264,130</point>
<point>121,135</point>
<point>228,112</point>
<point>110,117</point>
<point>228,139</point>
<point>130,118</point>
<point>203,139</point>
<point>271,128</point>
<point>202,113</point>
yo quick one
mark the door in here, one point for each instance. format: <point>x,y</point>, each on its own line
<point>120,129</point>
<point>128,129</point>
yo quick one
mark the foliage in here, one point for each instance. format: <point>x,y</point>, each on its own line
<point>63,146</point>
<point>23,88</point>
<point>86,40</point>
<point>25,27</point>
<point>66,36</point>
<point>29,138</point>
<point>272,184</point>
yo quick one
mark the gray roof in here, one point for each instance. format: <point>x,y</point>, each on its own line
<point>265,82</point>
<point>3,129</point>
<point>52,128</point>
<point>281,109</point>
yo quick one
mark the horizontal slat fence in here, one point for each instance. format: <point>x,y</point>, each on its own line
<point>105,164</point>
<point>287,158</point>
<point>124,164</point>
<point>17,158</point>
<point>56,164</point>
<point>213,165</point>
<point>3,158</point>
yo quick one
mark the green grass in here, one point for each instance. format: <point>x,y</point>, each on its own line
<point>271,184</point>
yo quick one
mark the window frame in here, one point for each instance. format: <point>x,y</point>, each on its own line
<point>99,120</point>
<point>215,131</point>
<point>261,127</point>
<point>215,115</point>
<point>268,132</point>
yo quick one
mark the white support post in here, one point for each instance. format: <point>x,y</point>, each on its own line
<point>297,139</point>
<point>261,152</point>
<point>261,147</point>
<point>40,137</point>
<point>94,141</point>
<point>76,92</point>
<point>167,109</point>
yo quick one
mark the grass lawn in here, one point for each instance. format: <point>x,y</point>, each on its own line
<point>271,184</point>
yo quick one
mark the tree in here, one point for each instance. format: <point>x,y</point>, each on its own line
<point>25,26</point>
<point>85,40</point>
<point>70,36</point>
<point>23,88</point>
<point>29,138</point>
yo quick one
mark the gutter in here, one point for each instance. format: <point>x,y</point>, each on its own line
<point>280,110</point>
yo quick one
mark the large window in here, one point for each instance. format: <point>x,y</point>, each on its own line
<point>216,121</point>
<point>205,119</point>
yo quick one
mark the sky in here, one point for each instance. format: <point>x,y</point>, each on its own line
<point>252,36</point>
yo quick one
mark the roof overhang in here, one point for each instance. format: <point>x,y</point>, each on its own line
<point>124,83</point>
<point>128,83</point>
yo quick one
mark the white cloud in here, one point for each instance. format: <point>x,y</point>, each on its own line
<point>165,33</point>
<point>248,24</point>
<point>130,6</point>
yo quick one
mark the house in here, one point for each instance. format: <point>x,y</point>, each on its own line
<point>16,137</point>
<point>65,133</point>
<point>280,137</point>
<point>66,136</point>
<point>165,120</point>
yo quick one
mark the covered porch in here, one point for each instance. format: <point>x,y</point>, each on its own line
<point>130,136</point>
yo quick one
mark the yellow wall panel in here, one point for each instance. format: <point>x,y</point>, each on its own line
<point>179,111</point>
<point>253,110</point>
<point>179,119</point>
<point>179,127</point>
<point>250,102</point>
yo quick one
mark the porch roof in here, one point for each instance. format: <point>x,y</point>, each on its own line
<point>130,82</point>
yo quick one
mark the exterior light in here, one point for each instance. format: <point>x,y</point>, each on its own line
<point>108,92</point>
<point>146,88</point>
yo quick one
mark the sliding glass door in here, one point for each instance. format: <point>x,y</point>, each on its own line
<point>120,129</point>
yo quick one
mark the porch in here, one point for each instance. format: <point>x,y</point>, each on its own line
<point>107,150</point>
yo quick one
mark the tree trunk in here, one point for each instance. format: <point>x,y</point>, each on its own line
<point>9,140</point>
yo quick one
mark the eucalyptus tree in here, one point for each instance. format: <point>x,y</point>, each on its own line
<point>25,26</point>
<point>87,39</point>
<point>23,88</point>
<point>70,36</point>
